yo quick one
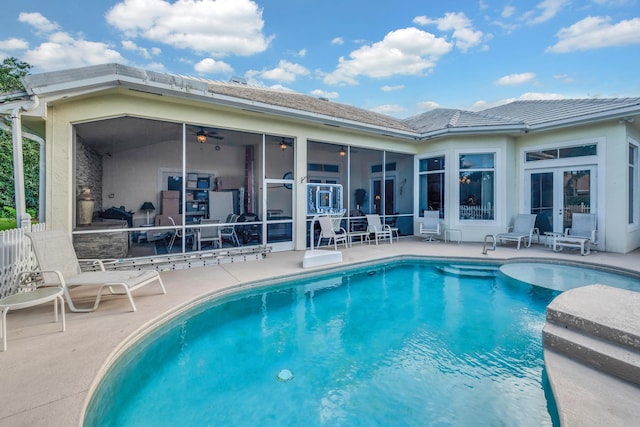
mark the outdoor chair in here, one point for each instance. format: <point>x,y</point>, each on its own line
<point>379,230</point>
<point>328,231</point>
<point>180,234</point>
<point>228,232</point>
<point>430,225</point>
<point>583,225</point>
<point>522,230</point>
<point>30,295</point>
<point>209,234</point>
<point>59,266</point>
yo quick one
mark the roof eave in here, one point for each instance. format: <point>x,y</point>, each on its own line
<point>474,130</point>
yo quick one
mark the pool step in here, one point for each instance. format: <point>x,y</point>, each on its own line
<point>463,270</point>
<point>597,326</point>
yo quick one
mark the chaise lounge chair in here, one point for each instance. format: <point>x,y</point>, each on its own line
<point>582,234</point>
<point>59,266</point>
<point>524,227</point>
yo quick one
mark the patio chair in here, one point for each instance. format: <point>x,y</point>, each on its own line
<point>209,234</point>
<point>29,296</point>
<point>229,232</point>
<point>430,225</point>
<point>59,266</point>
<point>328,231</point>
<point>522,230</point>
<point>380,231</point>
<point>583,225</point>
<point>180,233</point>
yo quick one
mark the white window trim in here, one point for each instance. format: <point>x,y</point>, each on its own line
<point>498,166</point>
<point>416,183</point>
<point>635,225</point>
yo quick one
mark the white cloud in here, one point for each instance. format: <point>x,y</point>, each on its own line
<point>302,53</point>
<point>565,78</point>
<point>508,11</point>
<point>338,41</point>
<point>545,11</point>
<point>218,27</point>
<point>407,51</point>
<point>40,24</point>
<point>428,105</point>
<point>515,79</point>
<point>595,32</point>
<point>211,66</point>
<point>61,50</point>
<point>14,44</point>
<point>391,88</point>
<point>132,46</point>
<point>463,33</point>
<point>388,109</point>
<point>285,72</point>
<point>319,93</point>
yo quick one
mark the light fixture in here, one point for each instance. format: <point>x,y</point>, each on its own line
<point>148,206</point>
<point>201,136</point>
<point>342,152</point>
<point>283,144</point>
<point>465,180</point>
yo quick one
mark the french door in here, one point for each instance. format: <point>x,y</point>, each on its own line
<point>558,193</point>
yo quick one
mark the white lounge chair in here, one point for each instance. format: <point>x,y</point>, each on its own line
<point>430,225</point>
<point>328,231</point>
<point>582,234</point>
<point>59,266</point>
<point>30,296</point>
<point>584,225</point>
<point>380,231</point>
<point>523,229</point>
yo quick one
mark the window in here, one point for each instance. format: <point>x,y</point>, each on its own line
<point>431,185</point>
<point>633,183</point>
<point>562,153</point>
<point>476,186</point>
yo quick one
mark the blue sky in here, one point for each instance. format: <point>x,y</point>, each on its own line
<point>396,57</point>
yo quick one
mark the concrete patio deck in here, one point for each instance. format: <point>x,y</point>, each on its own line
<point>46,375</point>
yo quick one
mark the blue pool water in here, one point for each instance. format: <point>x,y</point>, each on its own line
<point>398,344</point>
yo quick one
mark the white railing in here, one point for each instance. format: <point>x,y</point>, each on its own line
<point>16,256</point>
<point>476,212</point>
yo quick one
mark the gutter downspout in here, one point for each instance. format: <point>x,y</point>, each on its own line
<point>23,219</point>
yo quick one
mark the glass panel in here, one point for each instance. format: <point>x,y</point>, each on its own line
<point>633,156</point>
<point>399,193</point>
<point>476,195</point>
<point>476,161</point>
<point>577,194</point>
<point>278,156</point>
<point>533,156</point>
<point>578,151</point>
<point>542,200</point>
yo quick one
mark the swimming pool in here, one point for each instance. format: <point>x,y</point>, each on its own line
<point>399,343</point>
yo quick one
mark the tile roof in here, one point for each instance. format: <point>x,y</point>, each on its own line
<point>545,111</point>
<point>298,101</point>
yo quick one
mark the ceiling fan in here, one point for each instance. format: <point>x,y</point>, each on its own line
<point>202,135</point>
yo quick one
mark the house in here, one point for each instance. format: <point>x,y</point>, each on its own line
<point>197,149</point>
